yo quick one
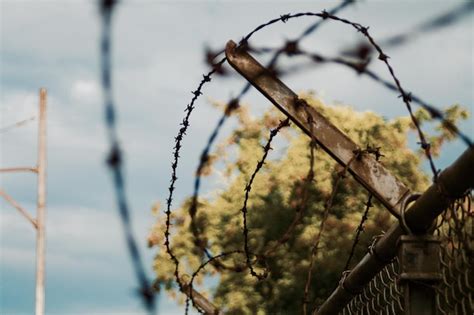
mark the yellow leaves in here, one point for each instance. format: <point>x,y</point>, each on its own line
<point>445,129</point>
<point>155,237</point>
<point>155,208</point>
<point>274,198</point>
<point>305,239</point>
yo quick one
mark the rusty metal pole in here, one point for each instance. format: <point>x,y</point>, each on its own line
<point>41,208</point>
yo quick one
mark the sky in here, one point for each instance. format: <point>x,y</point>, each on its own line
<point>158,59</point>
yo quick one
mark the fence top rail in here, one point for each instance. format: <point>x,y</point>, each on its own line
<point>452,183</point>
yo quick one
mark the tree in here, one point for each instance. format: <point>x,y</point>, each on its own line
<point>276,199</point>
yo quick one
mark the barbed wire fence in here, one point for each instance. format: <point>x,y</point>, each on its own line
<point>385,283</point>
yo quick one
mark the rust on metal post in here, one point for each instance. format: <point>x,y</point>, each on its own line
<point>366,170</point>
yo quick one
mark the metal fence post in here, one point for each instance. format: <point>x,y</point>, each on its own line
<point>419,273</point>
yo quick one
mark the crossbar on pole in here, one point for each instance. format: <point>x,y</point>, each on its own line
<point>19,169</point>
<point>17,206</point>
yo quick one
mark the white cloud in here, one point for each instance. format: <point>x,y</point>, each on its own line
<point>77,237</point>
<point>157,62</point>
<point>86,91</point>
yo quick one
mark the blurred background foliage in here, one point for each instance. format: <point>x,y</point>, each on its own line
<point>274,199</point>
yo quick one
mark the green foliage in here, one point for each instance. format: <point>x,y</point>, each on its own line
<point>273,200</point>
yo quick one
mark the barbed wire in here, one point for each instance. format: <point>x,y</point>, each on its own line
<point>115,160</point>
<point>360,228</point>
<point>248,188</point>
<point>231,106</point>
<point>405,96</point>
<point>432,24</point>
<point>361,69</point>
<point>197,184</point>
<point>362,51</point>
<point>196,272</point>
<point>325,215</point>
<point>234,103</point>
<point>212,55</point>
<point>308,181</point>
<point>174,166</point>
<point>290,48</point>
<point>301,207</point>
<point>364,30</point>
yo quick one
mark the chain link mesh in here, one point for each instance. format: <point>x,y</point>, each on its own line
<point>383,294</point>
<point>455,291</point>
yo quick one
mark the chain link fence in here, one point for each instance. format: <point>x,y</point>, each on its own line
<point>454,292</point>
<point>383,295</point>
<point>455,229</point>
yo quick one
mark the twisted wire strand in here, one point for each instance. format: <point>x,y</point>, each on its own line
<point>115,160</point>
<point>324,15</point>
<point>174,166</point>
<point>232,105</point>
<point>361,68</point>
<point>198,270</point>
<point>325,215</point>
<point>360,228</point>
<point>301,207</point>
<point>248,188</point>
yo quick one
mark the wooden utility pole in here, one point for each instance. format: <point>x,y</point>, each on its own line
<point>38,222</point>
<point>41,206</point>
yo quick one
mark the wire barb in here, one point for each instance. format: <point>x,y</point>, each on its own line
<point>248,188</point>
<point>290,48</point>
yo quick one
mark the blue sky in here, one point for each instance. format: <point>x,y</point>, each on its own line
<point>158,59</point>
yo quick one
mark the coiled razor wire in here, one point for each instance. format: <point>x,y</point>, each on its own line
<point>290,49</point>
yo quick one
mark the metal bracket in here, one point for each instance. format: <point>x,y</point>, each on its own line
<point>420,270</point>
<point>419,258</point>
<point>366,170</point>
<point>200,300</point>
